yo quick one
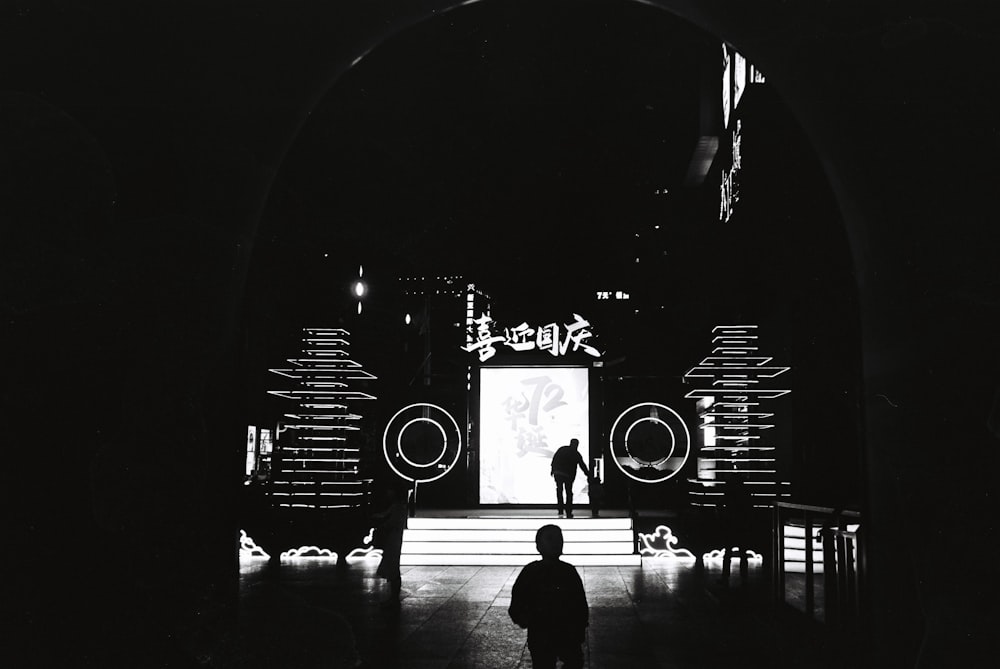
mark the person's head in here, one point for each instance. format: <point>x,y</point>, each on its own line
<point>575,443</point>
<point>549,541</point>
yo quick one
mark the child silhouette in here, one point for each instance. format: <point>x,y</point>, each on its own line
<point>548,599</point>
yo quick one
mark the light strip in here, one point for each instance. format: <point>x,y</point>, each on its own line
<point>322,459</point>
<point>492,536</point>
<point>323,416</point>
<point>503,523</point>
<point>516,547</point>
<point>414,560</point>
<point>737,460</point>
<point>330,449</point>
<point>320,394</point>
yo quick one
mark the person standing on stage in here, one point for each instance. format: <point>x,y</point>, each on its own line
<point>564,464</point>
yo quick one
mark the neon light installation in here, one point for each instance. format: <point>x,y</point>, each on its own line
<point>731,386</point>
<point>367,553</point>
<point>249,549</point>
<point>316,463</point>
<point>650,442</point>
<point>308,553</point>
<point>661,544</point>
<point>413,455</point>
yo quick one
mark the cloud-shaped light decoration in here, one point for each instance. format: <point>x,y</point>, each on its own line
<point>661,544</point>
<point>309,553</point>
<point>249,549</point>
<point>367,553</point>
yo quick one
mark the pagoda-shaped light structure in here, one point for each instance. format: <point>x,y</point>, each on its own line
<point>316,461</point>
<point>733,388</point>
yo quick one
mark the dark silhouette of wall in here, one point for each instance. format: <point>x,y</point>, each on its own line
<point>138,146</point>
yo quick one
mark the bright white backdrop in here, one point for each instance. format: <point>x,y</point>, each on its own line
<point>525,414</point>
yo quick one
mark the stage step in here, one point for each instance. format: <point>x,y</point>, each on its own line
<point>510,541</point>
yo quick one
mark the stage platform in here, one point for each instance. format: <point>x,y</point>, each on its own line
<point>505,536</point>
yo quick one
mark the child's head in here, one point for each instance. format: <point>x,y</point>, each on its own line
<point>549,541</point>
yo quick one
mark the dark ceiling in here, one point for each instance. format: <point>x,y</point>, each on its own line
<point>507,145</point>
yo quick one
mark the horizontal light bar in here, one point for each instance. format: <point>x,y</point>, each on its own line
<point>320,394</point>
<point>513,535</point>
<point>322,459</point>
<point>737,448</point>
<point>515,547</point>
<point>714,392</point>
<point>502,523</point>
<point>409,560</point>
<point>350,483</point>
<point>323,416</point>
<point>738,460</point>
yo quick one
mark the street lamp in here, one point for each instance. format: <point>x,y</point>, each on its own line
<point>359,288</point>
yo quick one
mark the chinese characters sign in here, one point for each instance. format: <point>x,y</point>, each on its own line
<point>556,338</point>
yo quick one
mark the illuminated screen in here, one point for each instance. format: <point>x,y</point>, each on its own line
<point>251,449</point>
<point>525,414</point>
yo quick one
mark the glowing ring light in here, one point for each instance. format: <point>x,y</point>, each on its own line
<point>407,417</point>
<point>677,450</point>
<point>444,443</point>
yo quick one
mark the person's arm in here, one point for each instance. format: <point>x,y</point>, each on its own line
<point>520,605</point>
<point>579,609</point>
<point>583,465</point>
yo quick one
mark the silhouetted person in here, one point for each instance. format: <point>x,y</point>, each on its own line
<point>389,537</point>
<point>564,464</point>
<point>548,599</point>
<point>595,490</point>
<point>736,525</point>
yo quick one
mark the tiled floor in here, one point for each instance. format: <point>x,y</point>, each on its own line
<point>661,614</point>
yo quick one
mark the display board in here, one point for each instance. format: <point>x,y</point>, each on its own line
<point>525,414</point>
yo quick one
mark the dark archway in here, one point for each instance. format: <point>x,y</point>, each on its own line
<point>195,116</point>
<point>541,158</point>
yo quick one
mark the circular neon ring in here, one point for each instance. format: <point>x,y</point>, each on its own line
<point>444,433</point>
<point>615,435</point>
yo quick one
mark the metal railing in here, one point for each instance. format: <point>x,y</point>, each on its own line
<point>819,562</point>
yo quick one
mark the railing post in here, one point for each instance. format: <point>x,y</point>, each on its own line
<point>634,516</point>
<point>831,576</point>
<point>778,550</point>
<point>810,593</point>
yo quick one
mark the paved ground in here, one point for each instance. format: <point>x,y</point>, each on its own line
<point>658,615</point>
